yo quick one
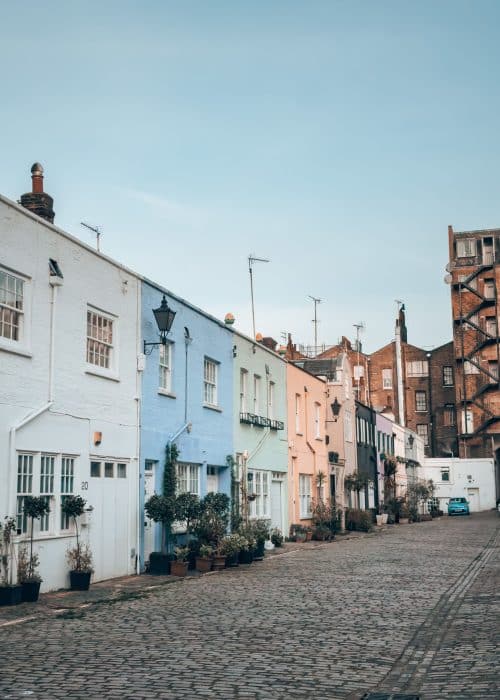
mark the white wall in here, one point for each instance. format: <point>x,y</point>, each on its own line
<point>83,399</point>
<point>472,478</point>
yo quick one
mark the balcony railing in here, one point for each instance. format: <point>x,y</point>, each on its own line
<point>261,421</point>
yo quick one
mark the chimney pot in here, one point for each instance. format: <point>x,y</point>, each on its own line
<point>37,200</point>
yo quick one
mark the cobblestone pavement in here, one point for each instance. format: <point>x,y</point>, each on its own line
<point>408,610</point>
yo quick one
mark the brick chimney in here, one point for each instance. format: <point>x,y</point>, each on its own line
<point>37,200</point>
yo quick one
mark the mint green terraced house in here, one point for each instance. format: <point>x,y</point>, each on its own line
<point>260,431</point>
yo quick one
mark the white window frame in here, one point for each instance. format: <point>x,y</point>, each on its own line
<point>358,372</point>
<point>257,384</point>
<point>297,414</point>
<point>317,420</point>
<point>387,378</point>
<point>25,479</point>
<point>66,487</point>
<point>470,421</point>
<point>305,486</point>
<point>420,393</point>
<point>165,368</point>
<point>271,400</point>
<point>21,345</point>
<point>466,247</point>
<point>243,390</point>
<point>260,507</point>
<point>423,432</point>
<point>111,344</point>
<point>210,375</point>
<point>47,477</point>
<point>188,478</point>
<point>12,305</point>
<point>417,368</point>
<point>348,426</point>
<point>489,288</point>
<point>450,374</point>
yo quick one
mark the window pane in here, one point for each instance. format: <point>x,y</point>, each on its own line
<point>99,339</point>
<point>95,469</point>
<point>108,469</point>
<point>121,471</point>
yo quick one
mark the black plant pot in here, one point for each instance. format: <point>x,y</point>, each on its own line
<point>259,551</point>
<point>30,591</point>
<point>80,580</point>
<point>160,563</point>
<point>233,560</point>
<point>10,595</point>
<point>246,556</point>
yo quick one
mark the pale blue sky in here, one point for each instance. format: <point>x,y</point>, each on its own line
<point>338,138</point>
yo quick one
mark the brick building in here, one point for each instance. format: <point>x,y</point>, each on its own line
<point>410,385</point>
<point>474,277</point>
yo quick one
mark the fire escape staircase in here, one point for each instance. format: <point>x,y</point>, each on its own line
<point>482,338</point>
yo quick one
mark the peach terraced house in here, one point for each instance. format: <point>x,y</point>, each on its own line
<point>307,449</point>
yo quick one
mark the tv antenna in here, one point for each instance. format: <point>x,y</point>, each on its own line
<point>251,260</point>
<point>316,301</point>
<point>94,229</point>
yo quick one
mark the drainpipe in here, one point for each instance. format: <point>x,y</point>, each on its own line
<point>55,281</point>
<point>138,390</point>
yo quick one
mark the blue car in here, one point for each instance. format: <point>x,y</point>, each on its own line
<point>458,506</point>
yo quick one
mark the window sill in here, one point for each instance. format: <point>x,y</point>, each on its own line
<point>421,410</point>
<point>319,439</point>
<point>164,392</point>
<point>15,350</point>
<point>211,407</point>
<point>297,433</point>
<point>96,372</point>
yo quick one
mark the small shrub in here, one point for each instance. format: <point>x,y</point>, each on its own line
<point>181,553</point>
<point>360,520</point>
<point>277,537</point>
<point>79,558</point>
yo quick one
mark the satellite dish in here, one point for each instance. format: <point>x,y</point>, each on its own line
<point>448,267</point>
<point>448,278</point>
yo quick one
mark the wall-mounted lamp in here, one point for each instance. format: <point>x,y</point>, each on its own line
<point>97,438</point>
<point>335,406</point>
<point>235,350</point>
<point>411,440</point>
<point>164,317</point>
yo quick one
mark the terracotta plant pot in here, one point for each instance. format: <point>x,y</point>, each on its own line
<point>80,580</point>
<point>30,591</point>
<point>203,564</point>
<point>309,536</point>
<point>219,562</point>
<point>179,568</point>
<point>300,537</point>
<point>403,521</point>
<point>10,595</point>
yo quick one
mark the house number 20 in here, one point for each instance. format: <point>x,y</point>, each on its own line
<point>85,485</point>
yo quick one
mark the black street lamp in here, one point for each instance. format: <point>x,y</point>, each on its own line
<point>335,406</point>
<point>411,440</point>
<point>164,318</point>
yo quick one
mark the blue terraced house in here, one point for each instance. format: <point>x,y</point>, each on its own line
<point>186,399</point>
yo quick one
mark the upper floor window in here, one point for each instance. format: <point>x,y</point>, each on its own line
<point>348,426</point>
<point>258,483</point>
<point>489,289</point>
<point>256,394</point>
<point>470,367</point>
<point>359,371</point>
<point>423,432</point>
<point>210,382</point>
<point>166,367</point>
<point>317,420</point>
<point>449,414</point>
<point>11,306</point>
<point>420,401</point>
<point>243,390</point>
<point>447,376</point>
<point>417,368</point>
<point>305,495</point>
<point>466,247</point>
<point>387,378</point>
<point>297,413</point>
<point>270,411</point>
<point>99,339</point>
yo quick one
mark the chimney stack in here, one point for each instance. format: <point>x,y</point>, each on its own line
<point>37,200</point>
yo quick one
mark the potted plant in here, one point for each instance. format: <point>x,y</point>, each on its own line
<point>204,559</point>
<point>34,507</point>
<point>231,546</point>
<point>179,567</point>
<point>298,532</point>
<point>247,545</point>
<point>404,514</point>
<point>79,558</point>
<point>10,593</point>
<point>277,537</point>
<point>212,523</point>
<point>261,530</point>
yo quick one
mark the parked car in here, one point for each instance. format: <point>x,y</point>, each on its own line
<point>458,506</point>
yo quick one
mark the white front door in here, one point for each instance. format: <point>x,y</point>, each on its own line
<point>149,526</point>
<point>473,498</point>
<point>212,480</point>
<point>276,505</point>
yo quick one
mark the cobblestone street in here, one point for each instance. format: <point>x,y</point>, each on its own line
<point>411,609</point>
